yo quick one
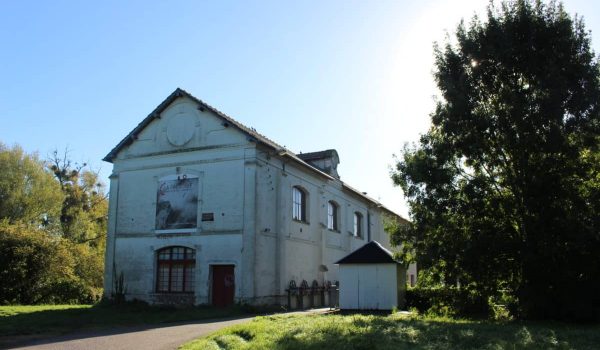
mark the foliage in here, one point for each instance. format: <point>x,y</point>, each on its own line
<point>84,211</point>
<point>27,192</point>
<point>119,288</point>
<point>448,302</point>
<point>37,268</point>
<point>504,188</point>
<point>396,331</point>
<point>52,226</point>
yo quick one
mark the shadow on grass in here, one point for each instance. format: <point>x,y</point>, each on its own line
<point>89,321</point>
<point>360,331</point>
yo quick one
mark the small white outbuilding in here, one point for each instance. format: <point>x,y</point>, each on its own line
<point>370,279</point>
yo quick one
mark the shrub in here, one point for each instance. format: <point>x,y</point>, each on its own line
<point>39,268</point>
<point>447,301</point>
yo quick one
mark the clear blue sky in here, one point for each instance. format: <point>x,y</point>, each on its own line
<point>311,75</point>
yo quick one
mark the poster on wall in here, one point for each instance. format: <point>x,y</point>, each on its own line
<point>177,203</point>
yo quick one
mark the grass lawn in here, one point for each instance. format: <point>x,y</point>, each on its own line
<point>353,332</point>
<point>16,321</point>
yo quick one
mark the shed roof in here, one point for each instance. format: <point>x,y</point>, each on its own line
<point>370,253</point>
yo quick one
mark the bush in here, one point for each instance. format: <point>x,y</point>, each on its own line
<point>39,268</point>
<point>73,291</point>
<point>447,301</point>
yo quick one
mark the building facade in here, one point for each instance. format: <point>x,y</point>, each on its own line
<point>204,210</point>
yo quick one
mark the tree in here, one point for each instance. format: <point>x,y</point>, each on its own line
<point>28,193</point>
<point>52,228</point>
<point>83,217</point>
<point>84,212</point>
<point>503,189</point>
<point>42,268</point>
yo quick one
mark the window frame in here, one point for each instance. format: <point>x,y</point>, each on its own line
<point>188,263</point>
<point>358,225</point>
<point>333,216</point>
<point>299,207</point>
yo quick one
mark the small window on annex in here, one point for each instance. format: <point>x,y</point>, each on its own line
<point>299,204</point>
<point>177,202</point>
<point>358,223</point>
<point>175,270</point>
<point>332,216</point>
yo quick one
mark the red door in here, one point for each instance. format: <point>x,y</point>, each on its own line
<point>223,285</point>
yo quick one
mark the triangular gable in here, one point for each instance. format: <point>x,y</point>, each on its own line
<point>370,253</point>
<point>179,93</point>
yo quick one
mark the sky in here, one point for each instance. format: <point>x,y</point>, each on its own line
<point>355,76</point>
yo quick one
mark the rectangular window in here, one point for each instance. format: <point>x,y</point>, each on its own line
<point>189,280</point>
<point>332,216</point>
<point>298,204</point>
<point>357,224</point>
<point>177,278</point>
<point>163,278</point>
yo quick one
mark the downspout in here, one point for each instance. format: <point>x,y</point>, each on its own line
<point>112,267</point>
<point>114,249</point>
<point>277,180</point>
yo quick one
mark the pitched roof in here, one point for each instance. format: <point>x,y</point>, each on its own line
<point>370,253</point>
<point>250,132</point>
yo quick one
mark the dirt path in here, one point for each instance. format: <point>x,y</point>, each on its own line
<point>159,337</point>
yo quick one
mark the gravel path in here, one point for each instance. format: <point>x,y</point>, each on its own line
<point>159,337</point>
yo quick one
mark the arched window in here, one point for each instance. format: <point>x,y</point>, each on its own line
<point>358,231</point>
<point>299,204</point>
<point>332,216</point>
<point>175,270</point>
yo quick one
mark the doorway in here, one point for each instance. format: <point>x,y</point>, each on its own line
<point>223,284</point>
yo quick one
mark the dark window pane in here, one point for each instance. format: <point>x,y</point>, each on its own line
<point>175,270</point>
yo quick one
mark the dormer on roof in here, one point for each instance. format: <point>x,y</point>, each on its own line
<point>326,161</point>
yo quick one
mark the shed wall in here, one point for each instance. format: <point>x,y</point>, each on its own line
<point>369,286</point>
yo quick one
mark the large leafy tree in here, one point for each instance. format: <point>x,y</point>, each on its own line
<point>52,227</point>
<point>84,212</point>
<point>503,189</point>
<point>28,193</point>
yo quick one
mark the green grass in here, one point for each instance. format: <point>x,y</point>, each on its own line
<point>52,319</point>
<point>354,332</point>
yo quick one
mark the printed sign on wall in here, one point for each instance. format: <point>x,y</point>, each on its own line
<point>177,203</point>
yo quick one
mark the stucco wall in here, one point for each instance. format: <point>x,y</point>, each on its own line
<point>221,170</point>
<point>248,190</point>
<point>291,250</point>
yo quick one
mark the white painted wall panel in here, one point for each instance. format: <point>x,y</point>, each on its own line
<point>368,286</point>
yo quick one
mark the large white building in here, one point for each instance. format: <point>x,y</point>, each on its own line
<point>204,210</point>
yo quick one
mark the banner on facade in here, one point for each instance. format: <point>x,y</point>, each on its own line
<point>177,203</point>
